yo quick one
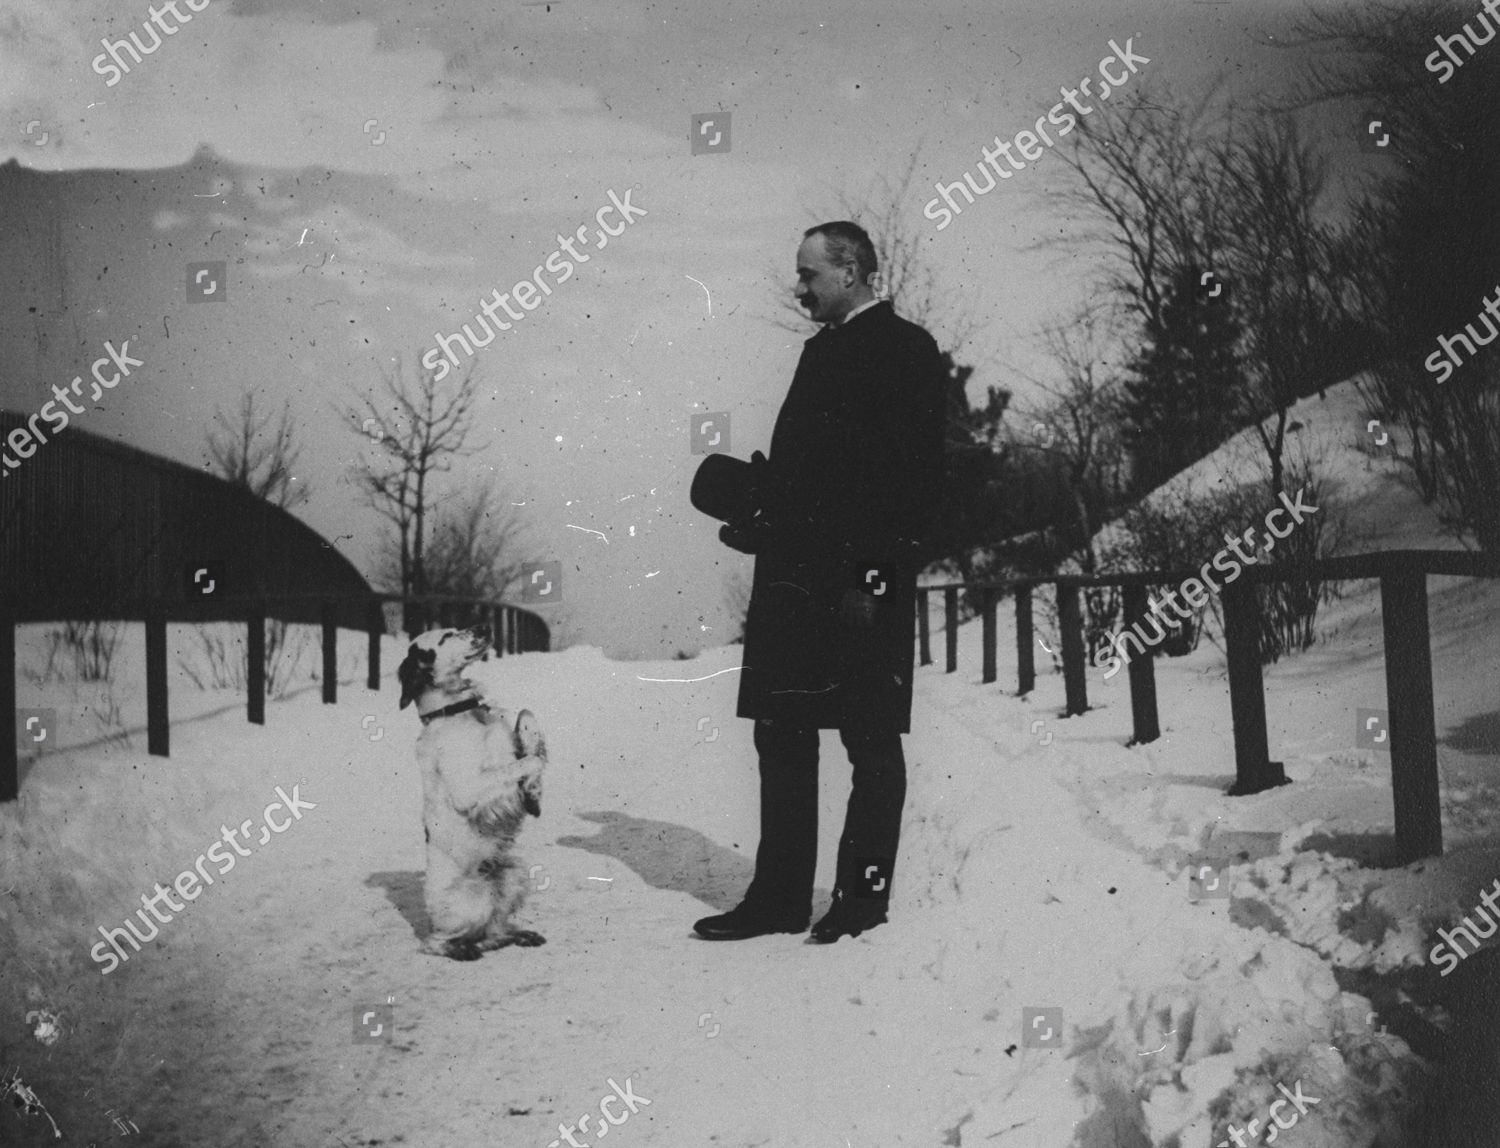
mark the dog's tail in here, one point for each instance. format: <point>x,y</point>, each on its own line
<point>528,736</point>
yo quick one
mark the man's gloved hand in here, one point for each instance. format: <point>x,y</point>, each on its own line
<point>742,536</point>
<point>748,535</point>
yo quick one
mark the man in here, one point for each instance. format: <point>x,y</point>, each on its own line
<point>843,508</point>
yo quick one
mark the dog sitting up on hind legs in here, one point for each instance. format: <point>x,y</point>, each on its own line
<point>481,777</point>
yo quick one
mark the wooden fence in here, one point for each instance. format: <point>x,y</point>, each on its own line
<point>1408,662</point>
<point>513,630</point>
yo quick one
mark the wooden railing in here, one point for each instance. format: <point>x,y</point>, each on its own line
<point>1408,662</point>
<point>513,630</point>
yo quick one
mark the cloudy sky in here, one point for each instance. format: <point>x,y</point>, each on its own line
<point>369,170</point>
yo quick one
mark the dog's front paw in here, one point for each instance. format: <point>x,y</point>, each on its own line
<point>528,736</point>
<point>527,939</point>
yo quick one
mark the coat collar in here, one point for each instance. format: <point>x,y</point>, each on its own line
<point>879,309</point>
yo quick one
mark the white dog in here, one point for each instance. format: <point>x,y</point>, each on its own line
<point>480,777</point>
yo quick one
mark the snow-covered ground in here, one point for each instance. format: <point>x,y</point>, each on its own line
<point>1043,866</point>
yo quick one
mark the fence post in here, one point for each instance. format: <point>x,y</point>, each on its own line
<point>1408,699</point>
<point>1142,673</point>
<point>1070,620</point>
<point>377,632</point>
<point>950,623</point>
<point>1025,655</point>
<point>158,724</point>
<point>987,600</point>
<point>1253,768</point>
<point>924,630</point>
<point>255,663</point>
<point>10,776</point>
<point>330,653</point>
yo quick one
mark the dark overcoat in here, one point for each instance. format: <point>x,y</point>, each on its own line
<point>854,476</point>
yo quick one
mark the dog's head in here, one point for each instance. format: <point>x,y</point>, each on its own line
<point>438,659</point>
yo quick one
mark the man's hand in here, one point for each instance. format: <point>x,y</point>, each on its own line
<point>857,610</point>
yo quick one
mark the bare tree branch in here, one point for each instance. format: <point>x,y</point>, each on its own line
<point>247,451</point>
<point>419,431</point>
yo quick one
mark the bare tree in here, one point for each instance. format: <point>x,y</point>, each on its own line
<point>258,452</point>
<point>475,548</point>
<point>1154,192</point>
<point>1281,256</point>
<point>1078,427</point>
<point>419,430</point>
<point>248,451</point>
<point>1422,251</point>
<point>1181,194</point>
<point>1186,193</point>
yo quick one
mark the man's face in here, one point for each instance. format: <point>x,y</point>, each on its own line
<point>826,290</point>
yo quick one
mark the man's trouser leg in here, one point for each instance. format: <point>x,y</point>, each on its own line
<point>872,824</point>
<point>788,852</point>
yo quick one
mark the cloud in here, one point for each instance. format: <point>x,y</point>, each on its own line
<point>268,92</point>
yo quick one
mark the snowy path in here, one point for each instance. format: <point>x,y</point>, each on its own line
<point>872,1040</point>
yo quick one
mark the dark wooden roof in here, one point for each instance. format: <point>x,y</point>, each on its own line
<point>93,528</point>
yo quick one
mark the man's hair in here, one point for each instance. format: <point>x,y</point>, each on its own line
<point>848,245</point>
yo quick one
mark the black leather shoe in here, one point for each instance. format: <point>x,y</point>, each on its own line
<point>848,918</point>
<point>742,923</point>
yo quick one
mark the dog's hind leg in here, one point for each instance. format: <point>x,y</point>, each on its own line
<point>455,948</point>
<point>458,907</point>
<point>508,894</point>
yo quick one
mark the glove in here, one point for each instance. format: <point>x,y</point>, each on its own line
<point>737,538</point>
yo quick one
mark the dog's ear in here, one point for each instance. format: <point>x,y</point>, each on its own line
<point>415,673</point>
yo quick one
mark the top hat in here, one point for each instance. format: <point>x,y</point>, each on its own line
<point>727,488</point>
